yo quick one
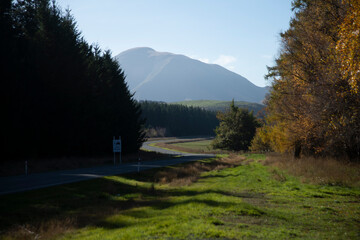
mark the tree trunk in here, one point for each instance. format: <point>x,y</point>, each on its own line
<point>297,149</point>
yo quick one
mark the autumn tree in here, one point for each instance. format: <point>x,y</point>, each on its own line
<point>314,98</point>
<point>348,45</point>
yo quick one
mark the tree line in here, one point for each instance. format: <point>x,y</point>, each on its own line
<point>61,96</point>
<point>314,104</point>
<point>178,120</point>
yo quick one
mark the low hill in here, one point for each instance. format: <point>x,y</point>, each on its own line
<point>214,105</point>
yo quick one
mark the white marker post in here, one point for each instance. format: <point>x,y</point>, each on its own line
<point>117,148</point>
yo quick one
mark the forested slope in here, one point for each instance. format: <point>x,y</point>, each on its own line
<point>215,105</point>
<point>178,120</point>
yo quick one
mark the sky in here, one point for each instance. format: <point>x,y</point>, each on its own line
<point>240,35</point>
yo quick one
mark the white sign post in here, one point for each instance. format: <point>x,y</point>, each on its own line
<point>117,147</point>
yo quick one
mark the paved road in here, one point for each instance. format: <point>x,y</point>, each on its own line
<point>42,180</point>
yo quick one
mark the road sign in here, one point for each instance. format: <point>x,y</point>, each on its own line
<point>117,148</point>
<point>116,145</point>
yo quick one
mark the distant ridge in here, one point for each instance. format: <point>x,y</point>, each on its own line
<point>162,76</point>
<point>214,105</point>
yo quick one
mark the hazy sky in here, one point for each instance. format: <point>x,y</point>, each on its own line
<point>241,35</point>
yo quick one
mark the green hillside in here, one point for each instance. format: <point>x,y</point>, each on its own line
<point>215,105</point>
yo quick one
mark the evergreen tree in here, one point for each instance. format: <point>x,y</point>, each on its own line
<point>178,120</point>
<point>62,96</point>
<point>237,129</point>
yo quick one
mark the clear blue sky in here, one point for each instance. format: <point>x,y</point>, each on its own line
<point>241,35</point>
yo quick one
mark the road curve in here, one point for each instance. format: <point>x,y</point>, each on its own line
<point>150,147</point>
<point>23,183</point>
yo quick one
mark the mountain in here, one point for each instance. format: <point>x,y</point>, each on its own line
<point>168,77</point>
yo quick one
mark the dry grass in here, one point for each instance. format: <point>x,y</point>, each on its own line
<point>316,170</point>
<point>44,230</point>
<point>190,173</point>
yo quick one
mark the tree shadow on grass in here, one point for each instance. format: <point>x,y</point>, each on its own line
<point>93,202</point>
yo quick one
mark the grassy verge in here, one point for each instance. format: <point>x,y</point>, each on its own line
<point>325,171</point>
<point>202,146</point>
<point>233,198</point>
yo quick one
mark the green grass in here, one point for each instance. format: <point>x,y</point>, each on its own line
<point>215,105</point>
<point>250,201</point>
<point>197,145</point>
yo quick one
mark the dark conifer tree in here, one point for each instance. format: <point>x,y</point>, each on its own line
<point>62,96</point>
<point>179,120</point>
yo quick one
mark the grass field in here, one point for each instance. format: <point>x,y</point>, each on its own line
<point>202,146</point>
<point>244,200</point>
<point>198,145</point>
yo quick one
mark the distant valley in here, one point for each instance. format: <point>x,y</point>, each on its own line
<point>161,76</point>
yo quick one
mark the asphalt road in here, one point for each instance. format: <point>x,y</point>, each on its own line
<point>42,180</point>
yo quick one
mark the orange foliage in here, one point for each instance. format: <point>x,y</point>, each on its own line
<point>348,46</point>
<point>314,103</point>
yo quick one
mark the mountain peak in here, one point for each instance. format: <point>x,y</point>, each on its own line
<point>143,50</point>
<point>163,76</point>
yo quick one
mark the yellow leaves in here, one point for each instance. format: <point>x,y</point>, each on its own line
<point>315,99</point>
<point>271,138</point>
<point>348,46</point>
